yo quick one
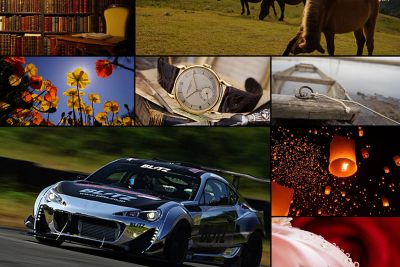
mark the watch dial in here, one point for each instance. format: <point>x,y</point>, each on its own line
<point>197,89</point>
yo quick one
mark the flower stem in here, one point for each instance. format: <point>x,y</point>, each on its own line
<point>79,104</point>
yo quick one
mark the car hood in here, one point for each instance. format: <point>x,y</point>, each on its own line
<point>111,195</point>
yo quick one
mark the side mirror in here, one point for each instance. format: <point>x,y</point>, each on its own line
<point>214,203</point>
<point>81,177</point>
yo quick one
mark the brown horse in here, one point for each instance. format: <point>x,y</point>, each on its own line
<point>266,4</point>
<point>331,17</point>
<point>245,2</point>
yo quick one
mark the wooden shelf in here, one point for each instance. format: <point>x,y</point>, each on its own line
<point>21,32</point>
<point>51,33</point>
<point>20,13</point>
<point>68,14</point>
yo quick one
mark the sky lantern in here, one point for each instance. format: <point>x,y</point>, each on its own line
<point>397,160</point>
<point>319,211</point>
<point>281,199</point>
<point>342,158</point>
<point>360,132</point>
<point>364,153</point>
<point>343,193</point>
<point>327,190</point>
<point>385,202</point>
<point>386,169</point>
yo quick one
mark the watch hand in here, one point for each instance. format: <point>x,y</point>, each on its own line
<point>194,81</point>
<point>193,92</point>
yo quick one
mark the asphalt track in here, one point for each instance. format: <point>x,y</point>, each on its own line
<point>17,249</point>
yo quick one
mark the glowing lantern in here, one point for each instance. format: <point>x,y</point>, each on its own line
<point>360,132</point>
<point>364,153</point>
<point>385,202</point>
<point>342,158</point>
<point>281,199</point>
<point>327,190</point>
<point>386,168</point>
<point>319,211</point>
<point>397,160</point>
<point>343,193</point>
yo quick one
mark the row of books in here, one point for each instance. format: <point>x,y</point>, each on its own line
<point>69,6</point>
<point>69,24</point>
<point>20,23</point>
<point>20,5</point>
<point>105,3</point>
<point>65,50</point>
<point>16,45</point>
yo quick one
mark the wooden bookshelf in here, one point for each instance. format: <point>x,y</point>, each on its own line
<point>96,13</point>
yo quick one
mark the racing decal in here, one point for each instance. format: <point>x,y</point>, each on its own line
<point>194,170</point>
<point>219,260</point>
<point>120,190</point>
<point>130,159</point>
<point>211,234</point>
<point>138,225</point>
<point>112,196</point>
<point>157,168</point>
<point>197,219</point>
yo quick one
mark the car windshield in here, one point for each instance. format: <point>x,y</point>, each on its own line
<point>158,181</point>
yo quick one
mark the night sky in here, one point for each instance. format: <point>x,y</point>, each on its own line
<point>300,160</point>
<point>118,87</point>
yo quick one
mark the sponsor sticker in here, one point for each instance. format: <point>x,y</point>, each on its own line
<point>194,170</point>
<point>219,260</point>
<point>120,190</point>
<point>157,168</point>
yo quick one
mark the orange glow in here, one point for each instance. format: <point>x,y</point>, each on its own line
<point>327,190</point>
<point>360,132</point>
<point>385,202</point>
<point>281,199</point>
<point>342,158</point>
<point>344,167</point>
<point>397,160</point>
<point>365,153</point>
<point>386,169</point>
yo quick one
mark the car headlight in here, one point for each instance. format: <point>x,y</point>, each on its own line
<point>52,196</point>
<point>149,215</point>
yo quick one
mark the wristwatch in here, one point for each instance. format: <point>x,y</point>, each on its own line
<point>198,89</point>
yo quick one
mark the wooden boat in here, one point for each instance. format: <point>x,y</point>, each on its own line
<point>306,108</point>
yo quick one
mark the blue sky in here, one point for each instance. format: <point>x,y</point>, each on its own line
<point>118,87</point>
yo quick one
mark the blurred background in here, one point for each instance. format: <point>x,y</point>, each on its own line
<point>31,158</point>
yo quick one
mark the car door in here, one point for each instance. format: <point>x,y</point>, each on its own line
<point>217,224</point>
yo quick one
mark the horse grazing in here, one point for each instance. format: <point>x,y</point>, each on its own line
<point>254,1</point>
<point>331,17</point>
<point>266,4</point>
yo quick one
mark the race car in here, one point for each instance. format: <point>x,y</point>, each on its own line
<point>173,210</point>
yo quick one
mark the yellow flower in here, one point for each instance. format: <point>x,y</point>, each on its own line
<point>26,113</point>
<point>14,80</point>
<point>73,102</point>
<point>118,121</point>
<point>37,98</point>
<point>78,77</point>
<point>101,117</point>
<point>94,98</point>
<point>128,121</point>
<point>73,92</point>
<point>36,109</point>
<point>4,106</point>
<point>111,106</point>
<point>82,107</point>
<point>64,121</point>
<point>88,110</point>
<point>31,70</point>
<point>10,121</point>
<point>23,123</point>
<point>45,106</point>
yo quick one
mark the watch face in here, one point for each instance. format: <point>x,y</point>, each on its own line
<point>197,90</point>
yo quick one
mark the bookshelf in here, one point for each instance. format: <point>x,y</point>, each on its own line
<point>38,22</point>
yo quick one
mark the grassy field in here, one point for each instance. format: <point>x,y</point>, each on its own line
<point>210,27</point>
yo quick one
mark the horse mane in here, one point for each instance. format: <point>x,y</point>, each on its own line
<point>313,12</point>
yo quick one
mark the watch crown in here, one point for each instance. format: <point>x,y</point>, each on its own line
<point>207,66</point>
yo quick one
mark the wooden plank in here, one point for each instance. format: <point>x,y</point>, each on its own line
<point>287,78</point>
<point>277,85</point>
<point>291,107</point>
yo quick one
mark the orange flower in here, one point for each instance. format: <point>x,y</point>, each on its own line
<point>14,60</point>
<point>37,98</point>
<point>37,118</point>
<point>36,83</point>
<point>17,111</point>
<point>111,106</point>
<point>25,113</point>
<point>104,68</point>
<point>51,93</point>
<point>128,121</point>
<point>26,96</point>
<point>47,123</point>
<point>18,70</point>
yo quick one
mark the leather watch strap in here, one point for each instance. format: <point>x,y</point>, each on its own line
<point>238,101</point>
<point>167,74</point>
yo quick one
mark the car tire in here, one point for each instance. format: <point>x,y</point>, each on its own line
<point>176,246</point>
<point>252,251</point>
<point>48,241</point>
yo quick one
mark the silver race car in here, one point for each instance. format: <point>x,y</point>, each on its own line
<point>174,210</point>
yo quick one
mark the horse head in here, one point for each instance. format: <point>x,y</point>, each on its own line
<point>306,45</point>
<point>265,6</point>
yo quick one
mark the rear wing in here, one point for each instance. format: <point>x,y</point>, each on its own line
<point>236,175</point>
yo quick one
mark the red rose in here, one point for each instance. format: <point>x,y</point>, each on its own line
<point>370,241</point>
